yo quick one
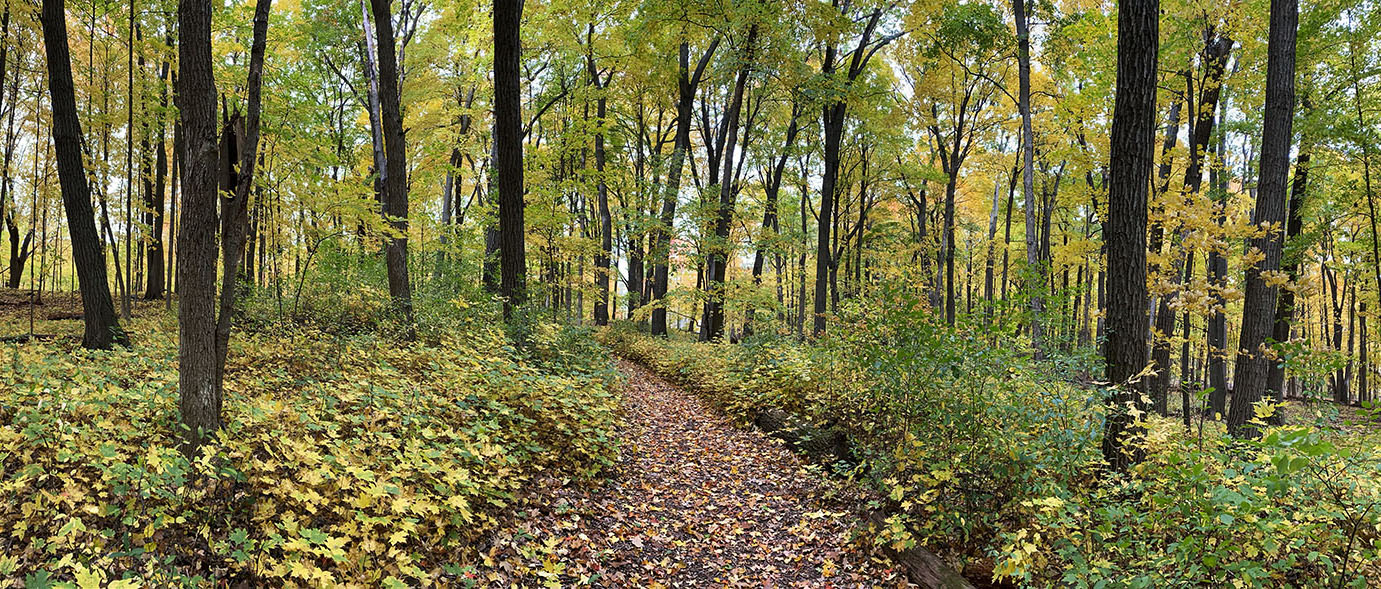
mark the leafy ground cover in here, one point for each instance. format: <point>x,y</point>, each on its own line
<point>993,460</point>
<point>347,460</point>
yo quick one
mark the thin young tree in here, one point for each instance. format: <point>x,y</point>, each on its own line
<point>599,81</point>
<point>1129,177</point>
<point>98,311</point>
<point>1027,147</point>
<point>1258,306</point>
<point>239,178</point>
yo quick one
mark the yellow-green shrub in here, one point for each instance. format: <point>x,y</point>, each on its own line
<point>350,461</point>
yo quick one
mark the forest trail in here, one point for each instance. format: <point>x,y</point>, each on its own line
<point>693,502</point>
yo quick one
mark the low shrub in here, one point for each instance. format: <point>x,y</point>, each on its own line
<point>344,460</point>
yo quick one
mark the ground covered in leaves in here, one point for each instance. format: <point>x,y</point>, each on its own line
<point>694,501</point>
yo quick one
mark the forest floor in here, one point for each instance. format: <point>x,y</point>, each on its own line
<point>693,501</point>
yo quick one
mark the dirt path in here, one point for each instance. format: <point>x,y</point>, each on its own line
<point>694,502</point>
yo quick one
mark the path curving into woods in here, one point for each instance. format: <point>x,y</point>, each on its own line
<point>693,502</point>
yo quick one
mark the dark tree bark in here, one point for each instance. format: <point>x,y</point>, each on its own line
<point>240,148</point>
<point>508,148</point>
<point>1285,303</point>
<point>606,222</point>
<point>832,124</point>
<point>1258,309</point>
<point>772,187</point>
<point>369,55</point>
<point>1132,144</point>
<point>98,311</point>
<point>155,283</point>
<point>1364,363</point>
<point>395,156</point>
<point>1216,332</point>
<point>21,248</point>
<point>199,391</point>
<point>661,238</point>
<point>712,325</point>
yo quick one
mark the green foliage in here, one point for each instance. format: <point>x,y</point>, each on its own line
<point>1291,510</point>
<point>344,461</point>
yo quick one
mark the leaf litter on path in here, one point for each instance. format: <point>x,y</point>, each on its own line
<point>693,502</point>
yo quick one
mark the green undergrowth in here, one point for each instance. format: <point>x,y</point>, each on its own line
<point>994,460</point>
<point>346,460</point>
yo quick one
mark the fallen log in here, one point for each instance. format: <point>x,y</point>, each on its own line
<point>922,566</point>
<point>25,338</point>
<point>829,444</point>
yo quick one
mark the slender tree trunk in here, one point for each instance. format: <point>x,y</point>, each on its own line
<point>125,294</point>
<point>1007,224</point>
<point>1258,311</point>
<point>1217,338</point>
<point>832,124</point>
<point>155,284</point>
<point>1132,142</point>
<point>1366,143</point>
<point>712,326</point>
<point>951,187</point>
<point>1185,399</point>
<point>371,73</point>
<point>772,190</point>
<point>661,240</point>
<point>395,154</point>
<point>1364,364</point>
<point>989,261</point>
<point>243,135</point>
<point>606,223</point>
<point>102,327</point>
<point>1215,57</point>
<point>1035,268</point>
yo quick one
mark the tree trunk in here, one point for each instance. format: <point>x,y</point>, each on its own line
<point>832,125</point>
<point>712,326</point>
<point>395,154</point>
<point>98,311</point>
<point>508,143</point>
<point>1215,58</point>
<point>1036,272</point>
<point>153,198</point>
<point>606,223</point>
<point>951,186</point>
<point>1217,339</point>
<point>1285,303</point>
<point>240,144</point>
<point>772,189</point>
<point>1132,143</point>
<point>1258,310</point>
<point>371,73</point>
<point>661,239</point>
<point>198,390</point>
